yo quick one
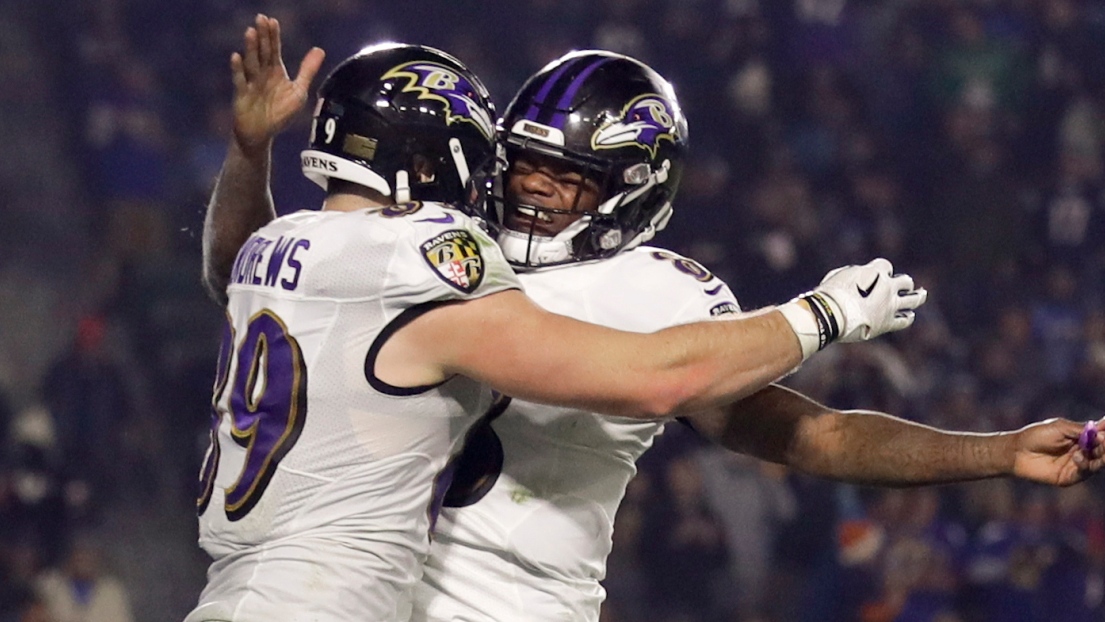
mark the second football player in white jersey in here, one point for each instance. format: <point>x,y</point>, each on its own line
<point>539,486</point>
<point>534,545</point>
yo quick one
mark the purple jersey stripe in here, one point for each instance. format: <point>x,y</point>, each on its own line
<point>531,114</point>
<point>573,88</point>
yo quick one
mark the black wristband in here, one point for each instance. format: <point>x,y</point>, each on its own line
<point>828,328</point>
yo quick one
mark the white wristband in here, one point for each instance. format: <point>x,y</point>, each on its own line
<point>817,323</point>
<point>804,326</point>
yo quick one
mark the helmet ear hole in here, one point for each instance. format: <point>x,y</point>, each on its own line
<point>423,168</point>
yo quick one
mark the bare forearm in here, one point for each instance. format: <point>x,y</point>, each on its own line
<point>678,370</point>
<point>683,369</point>
<point>863,447</point>
<point>241,203</point>
<point>874,448</point>
<point>721,362</point>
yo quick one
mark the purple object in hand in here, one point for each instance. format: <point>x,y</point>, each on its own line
<point>1087,440</point>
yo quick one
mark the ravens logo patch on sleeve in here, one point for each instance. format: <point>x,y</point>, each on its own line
<point>455,257</point>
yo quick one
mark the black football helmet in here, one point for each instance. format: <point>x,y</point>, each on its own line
<point>389,103</point>
<point>614,120</point>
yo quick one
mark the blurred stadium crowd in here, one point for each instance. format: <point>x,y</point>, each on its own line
<point>962,139</point>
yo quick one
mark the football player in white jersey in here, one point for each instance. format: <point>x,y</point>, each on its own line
<point>319,488</point>
<point>490,338</point>
<point>536,491</point>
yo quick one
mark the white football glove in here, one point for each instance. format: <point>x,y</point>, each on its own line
<point>872,299</point>
<point>855,303</point>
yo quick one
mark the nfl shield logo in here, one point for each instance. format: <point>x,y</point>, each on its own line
<point>455,257</point>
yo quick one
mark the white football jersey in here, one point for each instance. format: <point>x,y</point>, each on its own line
<point>535,547</point>
<point>317,492</point>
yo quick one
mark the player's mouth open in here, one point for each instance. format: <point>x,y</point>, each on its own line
<point>530,220</point>
<point>532,213</point>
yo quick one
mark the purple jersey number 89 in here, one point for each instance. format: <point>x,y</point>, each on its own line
<point>267,405</point>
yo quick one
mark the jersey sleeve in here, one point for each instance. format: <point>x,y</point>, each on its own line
<point>702,295</point>
<point>651,289</point>
<point>642,291</point>
<point>443,255</point>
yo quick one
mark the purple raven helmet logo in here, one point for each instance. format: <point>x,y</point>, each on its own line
<point>436,82</point>
<point>644,122</point>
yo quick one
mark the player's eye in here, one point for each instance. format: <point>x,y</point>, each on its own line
<point>522,167</point>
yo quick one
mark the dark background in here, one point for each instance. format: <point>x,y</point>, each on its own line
<point>961,139</point>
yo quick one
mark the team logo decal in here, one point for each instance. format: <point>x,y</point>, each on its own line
<point>455,257</point>
<point>401,209</point>
<point>435,82</point>
<point>724,308</point>
<point>644,122</point>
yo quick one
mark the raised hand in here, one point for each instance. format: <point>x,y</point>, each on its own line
<point>1048,452</point>
<point>265,98</point>
<point>870,299</point>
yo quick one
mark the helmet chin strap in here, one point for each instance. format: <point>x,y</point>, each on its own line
<point>658,177</point>
<point>658,222</point>
<point>402,187</point>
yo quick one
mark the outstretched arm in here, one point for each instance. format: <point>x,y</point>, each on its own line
<point>506,341</point>
<point>866,447</point>
<point>265,100</point>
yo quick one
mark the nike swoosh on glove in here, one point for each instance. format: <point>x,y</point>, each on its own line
<point>870,300</point>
